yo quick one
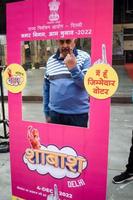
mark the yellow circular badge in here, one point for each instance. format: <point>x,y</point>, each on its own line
<point>16,198</point>
<point>14,78</point>
<point>101,81</point>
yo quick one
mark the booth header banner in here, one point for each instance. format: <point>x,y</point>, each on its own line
<point>52,19</point>
<point>61,19</point>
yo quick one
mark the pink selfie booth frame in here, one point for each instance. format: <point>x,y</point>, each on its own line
<point>31,20</point>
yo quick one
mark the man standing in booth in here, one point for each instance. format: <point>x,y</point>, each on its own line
<point>65,98</point>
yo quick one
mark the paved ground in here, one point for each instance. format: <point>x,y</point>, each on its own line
<point>120,136</point>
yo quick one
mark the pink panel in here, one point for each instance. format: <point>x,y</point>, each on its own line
<point>30,20</point>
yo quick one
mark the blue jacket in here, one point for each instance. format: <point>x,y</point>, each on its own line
<point>63,89</point>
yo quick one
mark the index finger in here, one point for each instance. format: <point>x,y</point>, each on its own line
<point>104,57</point>
<point>56,191</point>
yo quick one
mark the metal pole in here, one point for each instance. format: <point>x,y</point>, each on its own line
<point>4,146</point>
<point>3,120</point>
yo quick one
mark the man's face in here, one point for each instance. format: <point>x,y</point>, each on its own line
<point>66,46</point>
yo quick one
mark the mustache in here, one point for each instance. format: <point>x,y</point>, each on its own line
<point>66,50</point>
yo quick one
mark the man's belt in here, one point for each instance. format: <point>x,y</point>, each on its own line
<point>59,76</point>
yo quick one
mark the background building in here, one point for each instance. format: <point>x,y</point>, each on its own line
<point>123,32</point>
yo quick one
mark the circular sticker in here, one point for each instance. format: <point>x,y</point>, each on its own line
<point>14,78</point>
<point>16,198</point>
<point>101,81</point>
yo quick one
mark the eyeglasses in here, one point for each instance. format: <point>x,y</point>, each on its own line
<point>68,41</point>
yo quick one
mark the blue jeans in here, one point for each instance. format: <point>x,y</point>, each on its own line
<point>69,119</point>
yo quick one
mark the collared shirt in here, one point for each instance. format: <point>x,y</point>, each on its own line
<point>56,65</point>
